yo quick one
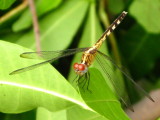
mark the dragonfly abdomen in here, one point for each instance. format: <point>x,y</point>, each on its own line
<point>110,29</point>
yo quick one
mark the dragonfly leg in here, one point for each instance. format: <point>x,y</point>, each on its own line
<point>88,81</point>
<point>81,80</point>
<point>75,79</point>
<point>85,81</point>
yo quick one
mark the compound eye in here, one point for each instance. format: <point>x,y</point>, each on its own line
<point>75,66</point>
<point>81,67</point>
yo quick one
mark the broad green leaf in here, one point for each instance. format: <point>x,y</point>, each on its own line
<point>81,114</point>
<point>43,114</point>
<point>42,7</point>
<point>41,87</point>
<point>146,12</point>
<point>72,113</point>
<point>141,50</point>
<point>102,99</point>
<point>58,27</point>
<point>4,4</point>
<point>116,6</point>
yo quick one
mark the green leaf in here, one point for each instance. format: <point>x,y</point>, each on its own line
<point>102,99</point>
<point>115,6</point>
<point>45,6</point>
<point>157,84</point>
<point>42,87</point>
<point>141,50</point>
<point>42,7</point>
<point>11,37</point>
<point>4,4</point>
<point>77,113</point>
<point>29,115</point>
<point>43,114</point>
<point>72,113</point>
<point>57,27</point>
<point>158,119</point>
<point>146,12</point>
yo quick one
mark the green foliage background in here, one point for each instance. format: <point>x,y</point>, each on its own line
<point>44,93</point>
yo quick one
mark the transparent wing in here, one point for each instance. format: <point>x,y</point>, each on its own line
<point>46,55</point>
<point>117,89</point>
<point>49,56</point>
<point>141,89</point>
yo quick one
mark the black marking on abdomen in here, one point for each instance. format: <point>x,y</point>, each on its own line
<point>113,26</point>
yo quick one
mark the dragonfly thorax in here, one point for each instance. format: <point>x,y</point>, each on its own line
<point>80,68</point>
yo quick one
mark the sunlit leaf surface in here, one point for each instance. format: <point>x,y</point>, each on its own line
<point>43,87</point>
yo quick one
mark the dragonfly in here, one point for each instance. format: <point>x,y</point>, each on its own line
<point>88,56</point>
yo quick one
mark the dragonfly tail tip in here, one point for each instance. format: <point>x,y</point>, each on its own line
<point>125,12</point>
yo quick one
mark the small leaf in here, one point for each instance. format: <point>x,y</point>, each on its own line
<point>4,4</point>
<point>146,12</point>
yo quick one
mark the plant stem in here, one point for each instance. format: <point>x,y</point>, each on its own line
<point>35,24</point>
<point>13,11</point>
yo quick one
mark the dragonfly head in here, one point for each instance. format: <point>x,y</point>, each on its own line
<point>80,68</point>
